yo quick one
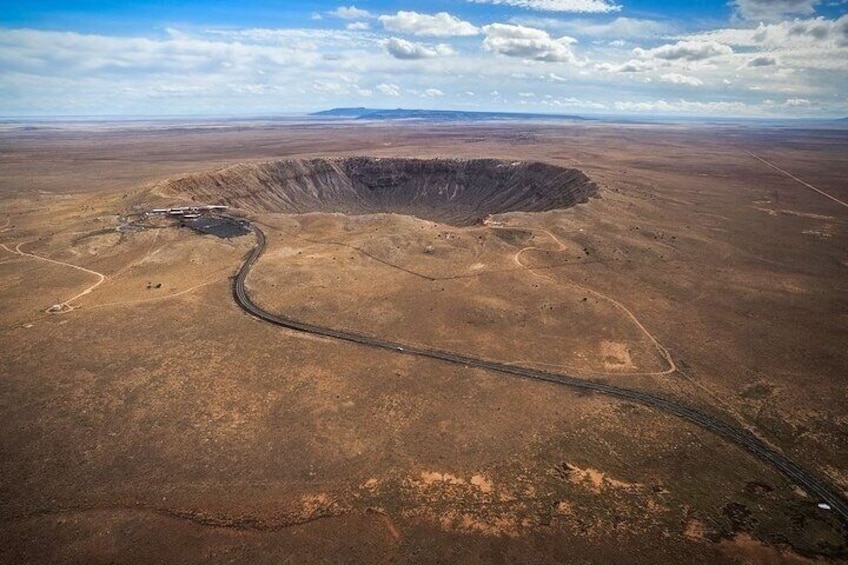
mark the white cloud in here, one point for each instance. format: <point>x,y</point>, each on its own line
<point>585,6</point>
<point>243,71</point>
<point>762,61</point>
<point>330,87</point>
<point>285,39</point>
<point>403,49</point>
<point>815,50</point>
<point>432,92</point>
<point>238,71</point>
<point>816,31</point>
<point>690,107</point>
<point>793,34</point>
<point>527,43</point>
<point>677,78</point>
<point>772,10</point>
<point>358,26</point>
<point>686,51</point>
<point>350,13</point>
<point>735,37</point>
<point>438,25</point>
<point>572,102</point>
<point>632,66</point>
<point>618,28</point>
<point>389,89</point>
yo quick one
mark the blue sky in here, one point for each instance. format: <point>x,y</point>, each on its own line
<point>103,16</point>
<point>747,58</point>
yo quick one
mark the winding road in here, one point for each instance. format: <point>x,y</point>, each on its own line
<point>742,438</point>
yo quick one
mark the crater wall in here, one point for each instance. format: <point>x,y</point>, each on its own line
<point>453,191</point>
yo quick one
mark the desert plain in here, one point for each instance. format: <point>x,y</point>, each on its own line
<point>146,418</point>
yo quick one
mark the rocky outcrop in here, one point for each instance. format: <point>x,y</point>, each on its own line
<point>451,191</point>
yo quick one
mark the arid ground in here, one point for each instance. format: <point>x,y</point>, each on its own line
<point>148,419</point>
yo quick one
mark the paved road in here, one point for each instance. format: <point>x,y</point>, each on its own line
<point>816,488</point>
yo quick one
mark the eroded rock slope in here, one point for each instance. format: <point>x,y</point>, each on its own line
<point>452,191</point>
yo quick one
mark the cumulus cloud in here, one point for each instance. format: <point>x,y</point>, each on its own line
<point>571,102</point>
<point>685,51</point>
<point>289,39</point>
<point>773,10</point>
<point>814,29</point>
<point>840,30</point>
<point>798,45</point>
<point>627,28</point>
<point>818,30</point>
<point>527,43</point>
<point>677,78</point>
<point>793,67</point>
<point>762,61</point>
<point>797,33</point>
<point>403,49</point>
<point>389,89</point>
<point>619,28</point>
<point>350,13</point>
<point>432,92</point>
<point>632,66</point>
<point>585,6</point>
<point>438,25</point>
<point>358,26</point>
<point>691,107</point>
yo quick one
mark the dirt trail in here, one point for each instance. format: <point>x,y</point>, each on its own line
<point>166,296</point>
<point>66,305</point>
<point>661,349</point>
<point>793,177</point>
<point>561,247</point>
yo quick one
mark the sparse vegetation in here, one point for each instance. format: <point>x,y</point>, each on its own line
<point>166,416</point>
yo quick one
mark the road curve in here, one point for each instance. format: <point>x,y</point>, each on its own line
<point>101,276</point>
<point>799,476</point>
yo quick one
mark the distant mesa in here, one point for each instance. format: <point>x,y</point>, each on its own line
<point>459,192</point>
<point>435,115</point>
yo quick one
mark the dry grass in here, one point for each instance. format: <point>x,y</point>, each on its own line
<point>167,419</point>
